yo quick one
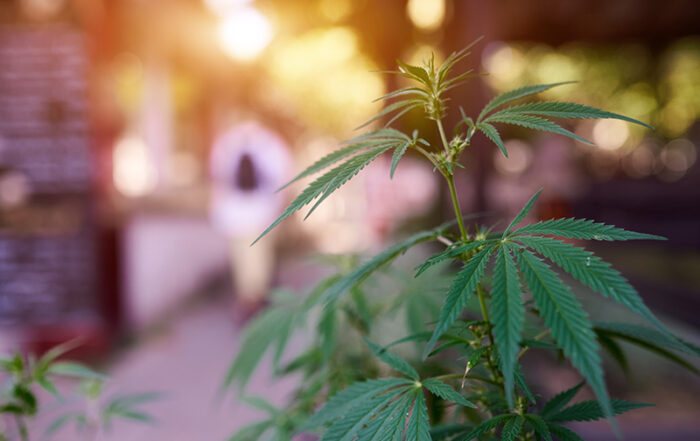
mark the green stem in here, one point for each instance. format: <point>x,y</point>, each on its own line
<point>425,153</point>
<point>471,377</point>
<point>457,210</point>
<point>449,176</point>
<point>538,337</point>
<point>443,137</point>
<point>485,314</point>
<point>484,311</point>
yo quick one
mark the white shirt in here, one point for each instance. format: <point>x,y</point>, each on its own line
<point>236,211</point>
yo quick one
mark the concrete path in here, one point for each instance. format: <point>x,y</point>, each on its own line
<point>186,361</point>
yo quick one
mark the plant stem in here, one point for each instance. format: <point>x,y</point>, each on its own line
<point>485,314</point>
<point>445,240</point>
<point>427,155</point>
<point>443,137</point>
<point>484,311</point>
<point>538,337</point>
<point>471,377</point>
<point>455,206</point>
<point>449,177</point>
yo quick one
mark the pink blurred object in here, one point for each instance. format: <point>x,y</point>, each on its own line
<point>248,164</point>
<point>410,193</point>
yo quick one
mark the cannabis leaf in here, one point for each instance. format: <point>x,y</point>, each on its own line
<point>418,427</point>
<point>591,411</point>
<point>512,428</point>
<point>535,123</point>
<point>442,390</point>
<point>461,289</point>
<point>377,138</point>
<point>352,396</point>
<point>455,250</point>
<point>560,400</point>
<point>251,432</point>
<point>566,110</point>
<point>539,425</point>
<point>375,410</point>
<point>486,426</point>
<point>363,271</point>
<point>403,105</point>
<point>322,187</point>
<point>429,94</point>
<point>521,215</point>
<point>649,339</point>
<point>569,324</point>
<point>512,95</point>
<point>492,134</point>
<point>563,433</point>
<point>507,314</point>
<point>583,229</point>
<point>268,331</point>
<point>529,115</point>
<point>638,332</point>
<point>591,271</point>
<point>392,360</point>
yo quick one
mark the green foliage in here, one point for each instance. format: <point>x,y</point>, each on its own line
<point>560,400</point>
<point>508,315</point>
<point>591,411</point>
<point>270,331</point>
<point>20,402</point>
<point>469,383</point>
<point>512,428</point>
<point>393,360</point>
<point>583,229</point>
<point>444,391</point>
<point>524,115</point>
<point>363,271</point>
<point>378,138</point>
<point>591,271</point>
<point>459,293</point>
<point>566,319</point>
<point>660,343</point>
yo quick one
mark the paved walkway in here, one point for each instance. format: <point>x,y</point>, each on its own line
<point>187,361</point>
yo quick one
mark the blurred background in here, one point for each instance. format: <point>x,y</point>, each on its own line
<point>117,223</point>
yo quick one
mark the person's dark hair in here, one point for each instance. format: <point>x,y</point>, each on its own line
<point>246,178</point>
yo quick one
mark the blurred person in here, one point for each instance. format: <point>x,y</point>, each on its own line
<point>248,163</point>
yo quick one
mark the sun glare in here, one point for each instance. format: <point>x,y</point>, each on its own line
<point>427,15</point>
<point>244,33</point>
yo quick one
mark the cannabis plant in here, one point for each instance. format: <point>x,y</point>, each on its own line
<point>466,382</point>
<point>20,402</point>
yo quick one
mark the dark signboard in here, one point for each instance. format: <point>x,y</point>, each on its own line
<point>48,256</point>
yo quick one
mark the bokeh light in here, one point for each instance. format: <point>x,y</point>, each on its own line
<point>677,157</point>
<point>224,7</point>
<point>15,189</point>
<point>427,15</point>
<point>504,64</point>
<point>640,163</point>
<point>134,173</point>
<point>42,9</point>
<point>610,134</point>
<point>328,80</point>
<point>244,33</point>
<point>518,160</point>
